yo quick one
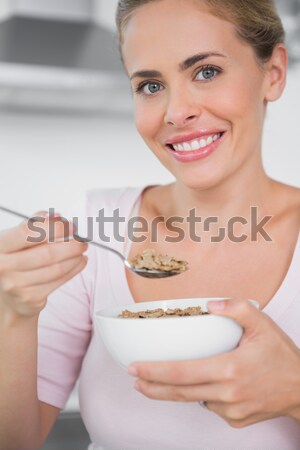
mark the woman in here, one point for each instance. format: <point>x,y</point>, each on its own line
<point>202,75</point>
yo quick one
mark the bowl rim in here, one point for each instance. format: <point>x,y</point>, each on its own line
<point>101,313</point>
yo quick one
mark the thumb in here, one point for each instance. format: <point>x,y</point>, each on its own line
<point>242,311</point>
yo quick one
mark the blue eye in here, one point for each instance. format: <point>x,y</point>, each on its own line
<point>207,73</point>
<point>149,88</point>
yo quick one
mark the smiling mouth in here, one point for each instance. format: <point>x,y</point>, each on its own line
<point>195,144</point>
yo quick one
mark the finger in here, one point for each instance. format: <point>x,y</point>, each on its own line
<point>34,299</point>
<point>156,391</point>
<point>242,311</point>
<point>237,415</point>
<point>42,291</point>
<point>208,370</point>
<point>46,274</point>
<point>42,255</point>
<point>14,238</point>
<point>33,232</point>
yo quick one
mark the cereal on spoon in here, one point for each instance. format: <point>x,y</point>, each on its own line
<point>149,259</point>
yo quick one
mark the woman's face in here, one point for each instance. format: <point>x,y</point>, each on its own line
<point>196,87</point>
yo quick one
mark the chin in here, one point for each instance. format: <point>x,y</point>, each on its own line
<point>200,181</point>
<point>200,175</point>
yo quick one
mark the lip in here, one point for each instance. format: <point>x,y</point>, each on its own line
<point>178,139</point>
<point>195,155</point>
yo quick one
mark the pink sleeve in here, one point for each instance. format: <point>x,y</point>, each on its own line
<point>64,334</point>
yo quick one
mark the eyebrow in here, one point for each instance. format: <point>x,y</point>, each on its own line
<point>186,64</point>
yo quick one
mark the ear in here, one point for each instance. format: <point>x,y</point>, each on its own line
<point>276,73</point>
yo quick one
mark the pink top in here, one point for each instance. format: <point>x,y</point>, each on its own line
<point>116,416</point>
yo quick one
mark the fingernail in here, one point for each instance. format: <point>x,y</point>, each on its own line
<point>132,370</point>
<point>216,305</point>
<point>42,214</point>
<point>54,216</point>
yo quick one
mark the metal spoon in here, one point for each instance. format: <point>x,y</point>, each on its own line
<point>147,273</point>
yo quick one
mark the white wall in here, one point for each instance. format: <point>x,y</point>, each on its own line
<point>50,161</point>
<point>104,12</point>
<point>281,146</point>
<point>54,8</point>
<point>5,7</point>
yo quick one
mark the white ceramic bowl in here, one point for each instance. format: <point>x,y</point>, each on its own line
<point>166,339</point>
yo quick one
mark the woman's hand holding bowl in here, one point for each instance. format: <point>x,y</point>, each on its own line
<point>259,380</point>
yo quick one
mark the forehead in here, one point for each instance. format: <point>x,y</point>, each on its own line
<point>166,29</point>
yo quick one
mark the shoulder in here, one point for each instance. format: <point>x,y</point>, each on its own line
<point>110,198</point>
<point>286,204</point>
<point>285,195</point>
<point>289,200</point>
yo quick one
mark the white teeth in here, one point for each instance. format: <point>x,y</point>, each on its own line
<point>196,144</point>
<point>187,146</point>
<point>202,143</point>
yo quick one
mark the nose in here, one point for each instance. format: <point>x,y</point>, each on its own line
<point>182,109</point>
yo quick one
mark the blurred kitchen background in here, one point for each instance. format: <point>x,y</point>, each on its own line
<point>66,122</point>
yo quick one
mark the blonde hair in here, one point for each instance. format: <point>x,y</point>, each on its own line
<point>257,21</point>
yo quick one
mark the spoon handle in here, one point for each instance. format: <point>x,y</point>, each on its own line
<point>76,236</point>
<point>10,211</point>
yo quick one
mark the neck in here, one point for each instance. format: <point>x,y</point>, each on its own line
<point>233,197</point>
